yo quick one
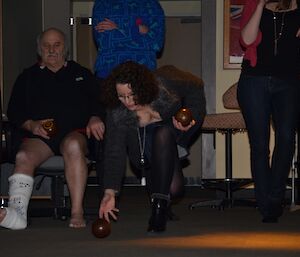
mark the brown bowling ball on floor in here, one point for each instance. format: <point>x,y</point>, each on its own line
<point>184,116</point>
<point>101,228</point>
<point>50,127</point>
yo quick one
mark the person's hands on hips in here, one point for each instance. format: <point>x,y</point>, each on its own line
<point>143,29</point>
<point>106,25</point>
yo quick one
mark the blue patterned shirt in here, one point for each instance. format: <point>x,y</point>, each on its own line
<point>126,43</point>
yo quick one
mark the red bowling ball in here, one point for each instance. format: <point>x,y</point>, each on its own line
<point>184,116</point>
<point>50,127</point>
<point>101,228</point>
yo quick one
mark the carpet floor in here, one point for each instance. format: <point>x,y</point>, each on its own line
<point>204,231</point>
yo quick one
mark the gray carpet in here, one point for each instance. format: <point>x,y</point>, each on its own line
<point>204,231</point>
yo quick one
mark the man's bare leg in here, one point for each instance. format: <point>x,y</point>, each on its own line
<point>74,149</point>
<point>31,154</point>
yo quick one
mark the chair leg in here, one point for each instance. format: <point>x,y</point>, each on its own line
<point>210,203</point>
<point>58,208</point>
<point>232,184</point>
<point>58,197</point>
<point>228,170</point>
<point>297,164</point>
<point>228,185</point>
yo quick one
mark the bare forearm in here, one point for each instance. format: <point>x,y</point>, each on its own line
<point>250,31</point>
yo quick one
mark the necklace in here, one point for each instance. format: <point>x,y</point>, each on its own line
<point>277,36</point>
<point>142,143</point>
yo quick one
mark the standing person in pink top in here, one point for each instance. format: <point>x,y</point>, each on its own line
<point>268,94</point>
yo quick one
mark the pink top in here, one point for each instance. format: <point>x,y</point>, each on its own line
<point>250,49</point>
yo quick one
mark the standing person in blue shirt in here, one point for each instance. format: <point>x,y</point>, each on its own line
<point>127,30</point>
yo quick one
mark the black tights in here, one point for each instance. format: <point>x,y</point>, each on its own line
<point>166,176</point>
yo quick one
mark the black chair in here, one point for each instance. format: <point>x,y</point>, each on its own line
<point>227,124</point>
<point>52,168</point>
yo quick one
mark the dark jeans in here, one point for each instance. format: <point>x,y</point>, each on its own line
<point>264,101</point>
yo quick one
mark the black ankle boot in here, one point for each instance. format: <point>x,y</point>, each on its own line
<point>158,219</point>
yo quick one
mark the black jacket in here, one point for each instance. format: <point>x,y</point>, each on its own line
<point>177,89</point>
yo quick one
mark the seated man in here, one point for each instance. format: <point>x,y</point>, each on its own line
<point>52,90</point>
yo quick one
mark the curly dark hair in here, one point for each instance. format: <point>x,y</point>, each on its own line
<point>142,82</point>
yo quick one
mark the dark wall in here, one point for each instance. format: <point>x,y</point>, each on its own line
<point>57,14</point>
<point>22,21</point>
